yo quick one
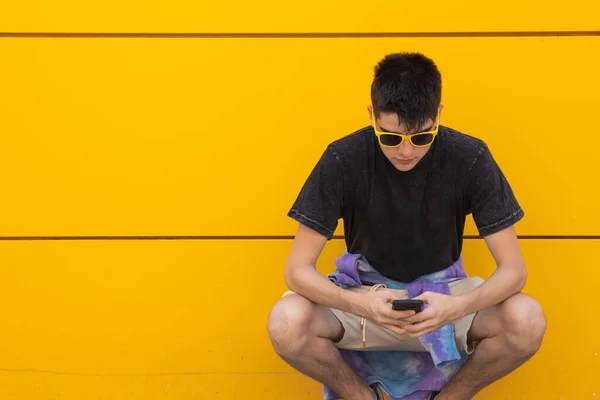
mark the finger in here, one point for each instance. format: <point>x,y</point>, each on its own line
<point>423,332</point>
<point>397,314</point>
<point>395,329</point>
<point>420,327</point>
<point>420,333</point>
<point>425,296</point>
<point>402,323</point>
<point>424,315</point>
<point>401,314</point>
<point>394,322</point>
<point>383,320</point>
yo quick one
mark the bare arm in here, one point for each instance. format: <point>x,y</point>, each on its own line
<point>508,279</point>
<point>302,277</point>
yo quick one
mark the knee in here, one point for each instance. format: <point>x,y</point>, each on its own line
<point>289,324</point>
<point>524,324</point>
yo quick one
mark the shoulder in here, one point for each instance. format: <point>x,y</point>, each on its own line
<point>461,150</point>
<point>353,148</point>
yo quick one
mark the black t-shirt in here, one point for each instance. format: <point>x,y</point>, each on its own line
<point>407,224</point>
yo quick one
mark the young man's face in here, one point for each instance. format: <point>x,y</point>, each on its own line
<point>405,156</point>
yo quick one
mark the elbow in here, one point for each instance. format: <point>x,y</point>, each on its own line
<point>289,276</point>
<point>521,277</point>
<point>295,275</point>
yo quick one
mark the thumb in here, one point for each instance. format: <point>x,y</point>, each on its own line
<point>425,296</point>
<point>387,295</point>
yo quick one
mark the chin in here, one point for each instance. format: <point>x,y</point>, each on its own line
<point>404,168</point>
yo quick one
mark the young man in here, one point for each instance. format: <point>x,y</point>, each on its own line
<point>403,187</point>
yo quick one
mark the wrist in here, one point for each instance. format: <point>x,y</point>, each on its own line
<point>463,305</point>
<point>352,302</point>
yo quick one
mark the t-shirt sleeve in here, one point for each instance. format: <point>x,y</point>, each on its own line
<point>319,203</point>
<point>491,197</point>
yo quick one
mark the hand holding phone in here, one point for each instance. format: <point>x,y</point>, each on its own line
<point>375,306</point>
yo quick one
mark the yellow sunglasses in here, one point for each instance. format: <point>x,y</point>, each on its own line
<point>391,139</point>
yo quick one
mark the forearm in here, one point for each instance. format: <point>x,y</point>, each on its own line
<point>306,281</point>
<point>505,282</point>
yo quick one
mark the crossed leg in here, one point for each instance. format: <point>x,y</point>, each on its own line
<point>507,335</point>
<point>304,335</point>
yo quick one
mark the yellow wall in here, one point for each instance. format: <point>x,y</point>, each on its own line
<point>267,16</point>
<point>112,136</point>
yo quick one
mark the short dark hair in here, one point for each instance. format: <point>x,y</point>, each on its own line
<point>408,84</point>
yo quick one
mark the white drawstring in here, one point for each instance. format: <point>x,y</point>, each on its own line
<point>363,321</point>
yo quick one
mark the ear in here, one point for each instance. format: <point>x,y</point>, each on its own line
<point>439,112</point>
<point>370,110</point>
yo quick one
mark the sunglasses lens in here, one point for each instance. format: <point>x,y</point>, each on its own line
<point>390,140</point>
<point>422,140</point>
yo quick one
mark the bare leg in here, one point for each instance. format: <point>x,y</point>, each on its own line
<point>303,334</point>
<point>507,335</point>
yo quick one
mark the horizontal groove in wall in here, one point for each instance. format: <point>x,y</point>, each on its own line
<point>143,374</point>
<point>308,35</point>
<point>258,237</point>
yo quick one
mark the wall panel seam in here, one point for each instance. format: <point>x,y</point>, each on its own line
<point>254,237</point>
<point>299,35</point>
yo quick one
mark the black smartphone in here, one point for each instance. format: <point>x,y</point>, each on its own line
<point>405,305</point>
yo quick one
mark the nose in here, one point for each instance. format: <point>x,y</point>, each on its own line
<point>406,149</point>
